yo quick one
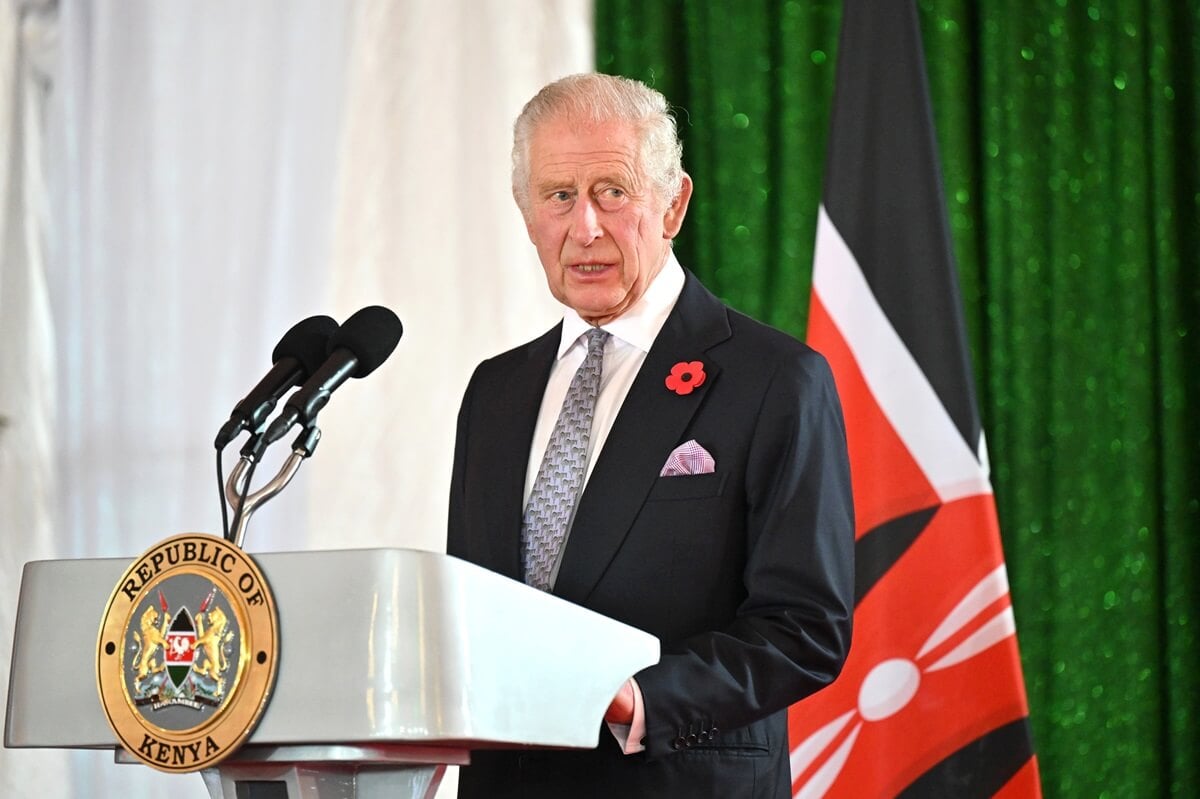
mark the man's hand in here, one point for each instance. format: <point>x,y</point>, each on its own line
<point>620,711</point>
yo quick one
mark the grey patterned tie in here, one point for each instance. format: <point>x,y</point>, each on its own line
<point>560,477</point>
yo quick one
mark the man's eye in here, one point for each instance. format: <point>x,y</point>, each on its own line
<point>612,198</point>
<point>561,196</point>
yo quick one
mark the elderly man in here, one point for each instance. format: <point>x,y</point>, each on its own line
<point>661,459</point>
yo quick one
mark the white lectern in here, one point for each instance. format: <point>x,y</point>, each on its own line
<point>392,664</point>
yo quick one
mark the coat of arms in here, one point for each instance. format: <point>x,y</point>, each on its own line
<point>180,660</point>
<point>187,651</point>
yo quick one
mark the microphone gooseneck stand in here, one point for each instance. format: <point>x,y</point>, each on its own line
<point>314,771</point>
<point>242,503</point>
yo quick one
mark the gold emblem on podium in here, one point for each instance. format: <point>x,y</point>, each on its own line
<point>187,652</point>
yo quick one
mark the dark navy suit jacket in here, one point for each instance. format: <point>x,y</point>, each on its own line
<point>745,574</point>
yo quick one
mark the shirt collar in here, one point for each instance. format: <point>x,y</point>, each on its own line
<point>639,325</point>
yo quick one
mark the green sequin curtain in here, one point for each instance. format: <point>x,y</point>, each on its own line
<point>1070,152</point>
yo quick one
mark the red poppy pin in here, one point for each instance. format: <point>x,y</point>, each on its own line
<point>685,376</point>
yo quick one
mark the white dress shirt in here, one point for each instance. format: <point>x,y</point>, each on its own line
<point>631,335</point>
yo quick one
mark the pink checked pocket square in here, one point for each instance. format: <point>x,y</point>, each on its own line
<point>688,458</point>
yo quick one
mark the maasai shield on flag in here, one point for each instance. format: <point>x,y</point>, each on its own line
<point>181,637</point>
<point>931,702</point>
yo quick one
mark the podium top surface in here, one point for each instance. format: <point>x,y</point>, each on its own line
<point>388,646</point>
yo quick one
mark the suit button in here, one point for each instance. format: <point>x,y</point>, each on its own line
<point>678,743</point>
<point>702,737</point>
<point>713,733</point>
<point>691,739</point>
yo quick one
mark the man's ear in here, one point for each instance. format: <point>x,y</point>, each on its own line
<point>676,211</point>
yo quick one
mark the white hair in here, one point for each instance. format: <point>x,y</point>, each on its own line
<point>596,98</point>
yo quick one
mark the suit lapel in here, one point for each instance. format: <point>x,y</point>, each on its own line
<point>521,396</point>
<point>647,428</point>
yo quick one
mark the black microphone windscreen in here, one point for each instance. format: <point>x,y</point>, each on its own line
<point>371,334</point>
<point>307,342</point>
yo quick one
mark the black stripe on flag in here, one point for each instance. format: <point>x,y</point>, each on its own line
<point>980,769</point>
<point>880,547</point>
<point>883,192</point>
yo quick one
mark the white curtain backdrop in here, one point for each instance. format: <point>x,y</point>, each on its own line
<point>426,224</point>
<point>27,382</point>
<point>213,172</point>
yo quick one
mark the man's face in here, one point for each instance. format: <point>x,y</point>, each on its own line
<point>600,229</point>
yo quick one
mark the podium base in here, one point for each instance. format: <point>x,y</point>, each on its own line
<point>329,772</point>
<point>322,781</point>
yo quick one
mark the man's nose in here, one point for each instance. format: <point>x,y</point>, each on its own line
<point>585,223</point>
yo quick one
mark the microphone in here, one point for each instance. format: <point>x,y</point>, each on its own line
<point>360,345</point>
<point>297,355</point>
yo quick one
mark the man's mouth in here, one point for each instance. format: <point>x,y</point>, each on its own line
<point>589,268</point>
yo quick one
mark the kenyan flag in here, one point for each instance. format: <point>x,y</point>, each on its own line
<point>931,702</point>
<point>179,655</point>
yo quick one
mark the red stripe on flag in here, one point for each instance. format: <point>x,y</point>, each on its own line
<point>949,707</point>
<point>878,458</point>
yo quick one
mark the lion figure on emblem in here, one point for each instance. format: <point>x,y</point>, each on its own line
<point>211,639</point>
<point>152,638</point>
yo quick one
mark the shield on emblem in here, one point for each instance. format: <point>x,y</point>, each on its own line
<point>180,638</point>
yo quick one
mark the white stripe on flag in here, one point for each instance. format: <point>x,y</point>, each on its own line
<point>987,591</point>
<point>995,630</point>
<point>807,752</point>
<point>899,386</point>
<point>822,780</point>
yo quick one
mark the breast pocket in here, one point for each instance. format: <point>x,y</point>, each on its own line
<point>687,486</point>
